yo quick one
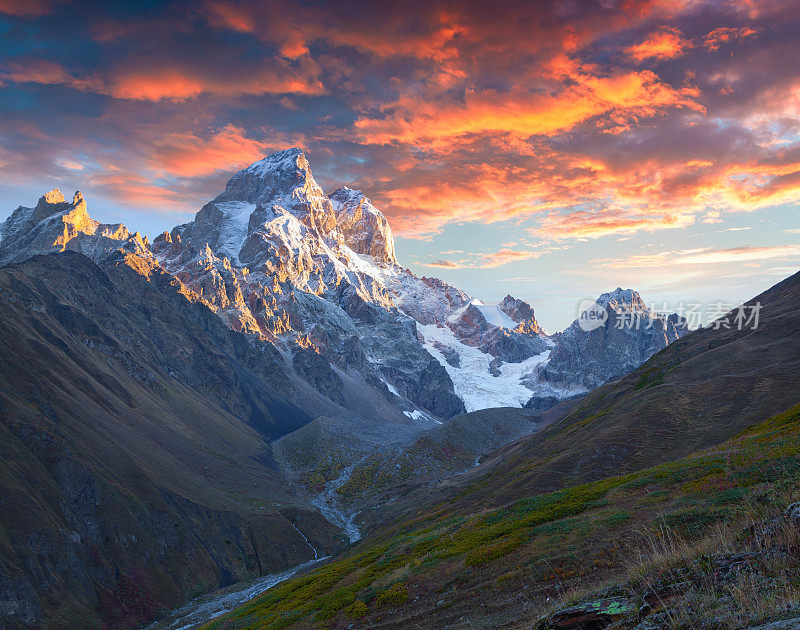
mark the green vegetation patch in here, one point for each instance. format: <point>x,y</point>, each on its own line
<point>499,548</point>
<point>616,518</point>
<point>392,596</point>
<point>731,495</point>
<point>554,537</point>
<point>693,521</point>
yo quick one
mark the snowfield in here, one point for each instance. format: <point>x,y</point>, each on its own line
<point>233,230</point>
<point>473,382</point>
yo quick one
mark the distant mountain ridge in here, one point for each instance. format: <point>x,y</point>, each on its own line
<point>277,259</point>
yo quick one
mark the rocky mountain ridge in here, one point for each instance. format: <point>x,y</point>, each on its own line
<point>632,334</point>
<point>280,261</point>
<point>55,225</point>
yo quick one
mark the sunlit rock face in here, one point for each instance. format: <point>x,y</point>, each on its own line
<point>362,226</point>
<point>283,179</point>
<point>493,329</point>
<point>522,313</point>
<point>55,225</point>
<point>317,276</point>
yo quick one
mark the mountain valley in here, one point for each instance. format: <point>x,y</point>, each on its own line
<point>266,385</point>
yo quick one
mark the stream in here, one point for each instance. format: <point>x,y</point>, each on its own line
<point>328,503</point>
<point>218,603</point>
<point>211,606</point>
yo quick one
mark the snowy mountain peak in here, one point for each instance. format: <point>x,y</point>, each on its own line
<point>284,166</point>
<point>50,203</point>
<point>284,177</point>
<point>622,298</point>
<point>344,194</point>
<point>49,208</point>
<point>286,159</point>
<point>274,209</point>
<point>630,335</point>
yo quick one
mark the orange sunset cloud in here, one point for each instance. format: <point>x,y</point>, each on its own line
<point>613,120</point>
<point>523,113</point>
<point>667,43</point>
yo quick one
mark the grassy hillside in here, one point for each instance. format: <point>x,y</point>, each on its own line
<point>682,533</point>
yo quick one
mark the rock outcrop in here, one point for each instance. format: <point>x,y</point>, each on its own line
<point>55,225</point>
<point>362,226</point>
<point>630,335</point>
<point>522,313</point>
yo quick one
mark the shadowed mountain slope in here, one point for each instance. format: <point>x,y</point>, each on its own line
<point>128,481</point>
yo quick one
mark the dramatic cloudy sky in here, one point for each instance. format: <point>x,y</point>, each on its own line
<point>553,150</point>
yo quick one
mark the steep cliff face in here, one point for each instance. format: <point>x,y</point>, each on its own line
<point>362,226</point>
<point>522,314</point>
<point>630,335</point>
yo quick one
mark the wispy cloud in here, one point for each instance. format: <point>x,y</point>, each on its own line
<point>725,35</point>
<point>703,256</point>
<point>485,260</point>
<point>29,8</point>
<point>666,43</point>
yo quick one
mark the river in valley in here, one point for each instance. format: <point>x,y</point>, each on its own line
<point>211,606</point>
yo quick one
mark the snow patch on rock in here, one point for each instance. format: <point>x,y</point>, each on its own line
<point>473,380</point>
<point>233,231</point>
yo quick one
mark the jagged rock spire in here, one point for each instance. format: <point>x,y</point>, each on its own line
<point>363,226</point>
<point>54,225</point>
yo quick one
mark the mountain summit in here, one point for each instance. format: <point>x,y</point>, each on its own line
<point>264,197</point>
<point>316,275</point>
